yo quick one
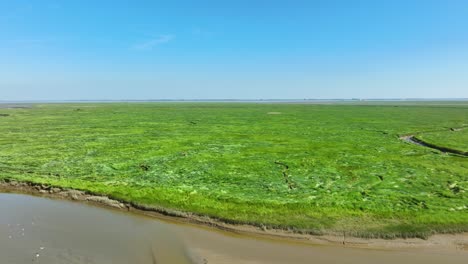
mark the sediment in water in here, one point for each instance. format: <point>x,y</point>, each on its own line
<point>444,241</point>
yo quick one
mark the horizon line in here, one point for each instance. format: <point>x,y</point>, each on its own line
<point>237,100</point>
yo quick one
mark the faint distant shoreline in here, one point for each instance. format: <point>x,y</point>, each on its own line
<point>242,100</point>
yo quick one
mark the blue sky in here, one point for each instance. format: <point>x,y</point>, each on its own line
<point>83,49</point>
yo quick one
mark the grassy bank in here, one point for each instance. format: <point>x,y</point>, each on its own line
<point>320,168</point>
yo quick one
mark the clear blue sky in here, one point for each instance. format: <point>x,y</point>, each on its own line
<point>88,49</point>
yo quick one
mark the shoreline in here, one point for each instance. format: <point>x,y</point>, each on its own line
<point>440,242</point>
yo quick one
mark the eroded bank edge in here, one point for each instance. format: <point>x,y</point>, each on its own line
<point>444,242</point>
<point>413,139</point>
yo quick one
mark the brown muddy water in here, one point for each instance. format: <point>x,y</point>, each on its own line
<point>41,230</point>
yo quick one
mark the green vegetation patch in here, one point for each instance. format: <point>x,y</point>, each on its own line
<point>314,168</point>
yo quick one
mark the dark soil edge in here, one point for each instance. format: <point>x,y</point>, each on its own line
<point>45,190</point>
<point>458,241</point>
<point>414,140</point>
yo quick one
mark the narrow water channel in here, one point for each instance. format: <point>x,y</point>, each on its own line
<point>41,230</point>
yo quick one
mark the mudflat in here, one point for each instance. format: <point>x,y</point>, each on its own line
<point>41,230</point>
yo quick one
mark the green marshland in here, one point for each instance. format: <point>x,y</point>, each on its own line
<point>314,168</point>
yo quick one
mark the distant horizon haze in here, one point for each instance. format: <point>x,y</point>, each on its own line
<point>242,100</point>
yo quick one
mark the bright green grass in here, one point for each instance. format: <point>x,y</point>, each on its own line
<point>452,139</point>
<point>348,170</point>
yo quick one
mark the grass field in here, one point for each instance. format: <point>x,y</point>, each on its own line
<point>317,168</point>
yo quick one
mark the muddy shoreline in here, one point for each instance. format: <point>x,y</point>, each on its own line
<point>440,242</point>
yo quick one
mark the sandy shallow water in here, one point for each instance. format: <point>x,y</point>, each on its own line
<point>42,230</point>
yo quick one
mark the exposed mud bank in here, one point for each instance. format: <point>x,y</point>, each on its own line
<point>37,229</point>
<point>414,140</point>
<point>439,242</point>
